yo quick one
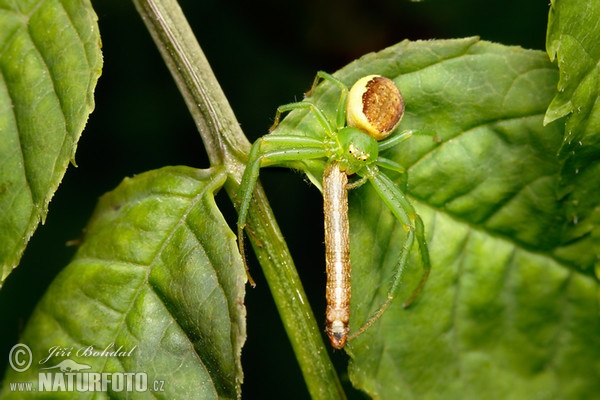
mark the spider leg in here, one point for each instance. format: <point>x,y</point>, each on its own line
<point>394,140</point>
<point>356,183</point>
<point>399,205</point>
<point>329,129</point>
<point>390,165</point>
<point>270,150</point>
<point>412,223</point>
<point>341,107</point>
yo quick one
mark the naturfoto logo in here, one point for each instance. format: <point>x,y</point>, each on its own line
<point>59,372</point>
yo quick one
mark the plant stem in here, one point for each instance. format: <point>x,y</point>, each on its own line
<point>226,145</point>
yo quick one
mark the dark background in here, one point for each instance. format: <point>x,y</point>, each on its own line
<point>264,53</point>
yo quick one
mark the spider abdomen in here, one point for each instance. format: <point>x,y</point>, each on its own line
<point>375,106</point>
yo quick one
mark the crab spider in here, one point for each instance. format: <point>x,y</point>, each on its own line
<point>365,118</point>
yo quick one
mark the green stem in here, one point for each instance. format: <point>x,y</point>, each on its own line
<point>226,145</point>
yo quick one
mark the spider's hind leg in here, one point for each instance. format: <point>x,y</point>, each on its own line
<point>405,213</point>
<point>340,119</point>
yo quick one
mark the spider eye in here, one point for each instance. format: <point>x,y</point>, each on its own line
<point>375,106</point>
<point>357,153</point>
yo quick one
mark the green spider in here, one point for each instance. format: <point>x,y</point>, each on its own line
<point>365,118</point>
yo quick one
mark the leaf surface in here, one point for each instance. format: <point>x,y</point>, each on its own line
<point>510,309</point>
<point>157,275</point>
<point>50,61</point>
<point>573,43</point>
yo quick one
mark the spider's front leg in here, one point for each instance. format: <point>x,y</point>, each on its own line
<point>267,151</point>
<point>276,149</point>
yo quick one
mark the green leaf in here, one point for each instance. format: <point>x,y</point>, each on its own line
<point>50,61</point>
<point>158,275</point>
<point>510,309</point>
<point>573,41</point>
